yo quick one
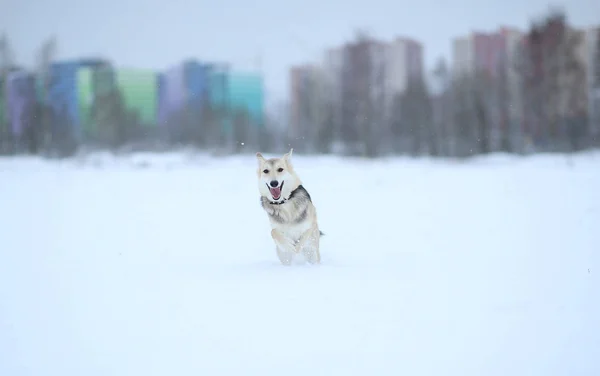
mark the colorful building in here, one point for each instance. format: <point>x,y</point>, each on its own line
<point>93,86</point>
<point>88,100</point>
<point>69,96</point>
<point>62,99</point>
<point>196,83</point>
<point>182,88</point>
<point>85,98</point>
<point>218,97</point>
<point>21,101</point>
<point>171,95</point>
<point>246,93</point>
<point>139,89</point>
<point>218,84</point>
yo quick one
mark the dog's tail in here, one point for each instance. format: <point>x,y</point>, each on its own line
<point>321,233</point>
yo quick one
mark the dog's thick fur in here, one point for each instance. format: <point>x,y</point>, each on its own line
<point>292,215</point>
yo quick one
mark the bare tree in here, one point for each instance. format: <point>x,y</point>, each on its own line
<point>413,120</point>
<point>461,130</point>
<point>500,106</point>
<point>190,123</point>
<point>398,132</point>
<point>595,120</point>
<point>362,96</point>
<point>213,123</point>
<point>483,104</point>
<point>45,128</point>
<point>575,102</point>
<point>377,127</point>
<point>325,134</point>
<point>108,112</point>
<point>305,122</point>
<point>471,115</point>
<point>267,135</point>
<point>6,65</point>
<point>31,134</point>
<point>440,107</point>
<point>275,131</point>
<point>554,83</point>
<point>354,93</point>
<point>241,130</point>
<point>313,128</point>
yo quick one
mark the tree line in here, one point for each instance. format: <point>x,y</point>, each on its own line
<point>534,100</point>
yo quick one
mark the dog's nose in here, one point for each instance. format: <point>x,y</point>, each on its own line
<point>274,183</point>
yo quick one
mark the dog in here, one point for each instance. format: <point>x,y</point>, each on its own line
<point>292,215</point>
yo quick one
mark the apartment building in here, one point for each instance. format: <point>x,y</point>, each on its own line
<point>308,94</point>
<point>592,49</point>
<point>358,81</point>
<point>363,89</point>
<point>404,62</point>
<point>493,56</point>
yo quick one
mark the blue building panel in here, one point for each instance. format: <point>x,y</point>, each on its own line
<point>196,77</point>
<point>173,96</point>
<point>62,98</point>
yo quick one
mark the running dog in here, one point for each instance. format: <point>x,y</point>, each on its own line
<point>291,212</point>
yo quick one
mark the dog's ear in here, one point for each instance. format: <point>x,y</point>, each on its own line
<point>260,158</point>
<point>287,156</point>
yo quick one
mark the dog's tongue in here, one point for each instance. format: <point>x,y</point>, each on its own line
<point>275,192</point>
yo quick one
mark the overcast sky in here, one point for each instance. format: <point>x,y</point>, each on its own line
<point>157,34</point>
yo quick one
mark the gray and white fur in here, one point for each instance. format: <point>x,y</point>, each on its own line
<point>289,207</point>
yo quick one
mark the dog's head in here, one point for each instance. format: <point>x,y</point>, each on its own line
<point>276,177</point>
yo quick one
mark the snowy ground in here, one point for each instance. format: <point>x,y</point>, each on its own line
<point>163,265</point>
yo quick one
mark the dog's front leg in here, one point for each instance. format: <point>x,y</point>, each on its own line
<point>281,241</point>
<point>307,235</point>
<point>309,243</point>
<point>285,250</point>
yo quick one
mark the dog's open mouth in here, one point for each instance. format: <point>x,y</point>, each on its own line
<point>276,192</point>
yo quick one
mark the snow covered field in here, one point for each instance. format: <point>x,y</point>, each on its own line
<point>164,265</point>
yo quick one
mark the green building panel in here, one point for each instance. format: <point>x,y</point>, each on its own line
<point>103,81</point>
<point>85,98</point>
<point>140,92</point>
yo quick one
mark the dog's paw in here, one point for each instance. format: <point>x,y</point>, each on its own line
<point>285,257</point>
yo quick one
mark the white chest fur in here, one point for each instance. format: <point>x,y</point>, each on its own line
<point>284,218</point>
<point>292,231</point>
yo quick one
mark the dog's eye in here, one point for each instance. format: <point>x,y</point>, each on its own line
<point>280,169</point>
<point>266,171</point>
